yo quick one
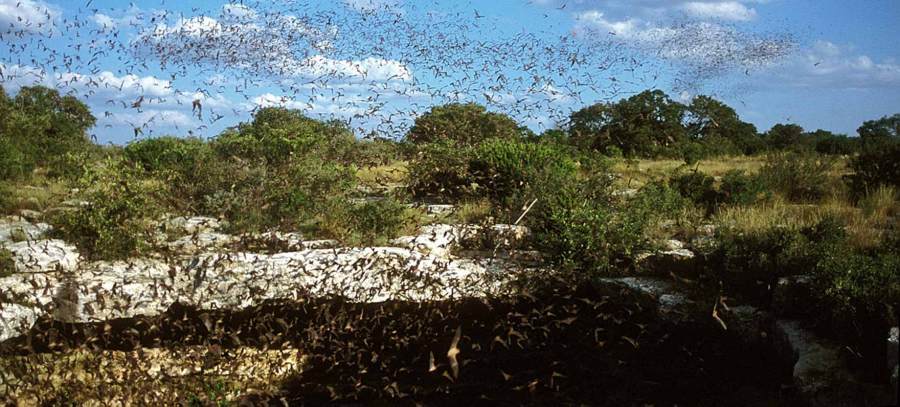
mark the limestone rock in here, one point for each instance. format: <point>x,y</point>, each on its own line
<point>183,225</point>
<point>201,242</point>
<point>42,256</point>
<point>14,228</point>
<point>123,289</point>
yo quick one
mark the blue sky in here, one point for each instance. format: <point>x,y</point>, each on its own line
<point>379,63</point>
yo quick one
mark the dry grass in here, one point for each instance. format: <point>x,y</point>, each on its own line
<point>866,224</point>
<point>393,174</point>
<point>635,173</point>
<point>39,194</point>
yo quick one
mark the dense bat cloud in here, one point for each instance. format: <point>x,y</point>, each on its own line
<point>375,64</point>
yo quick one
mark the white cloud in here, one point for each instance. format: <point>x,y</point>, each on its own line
<point>829,65</point>
<point>151,117</point>
<point>708,48</point>
<point>372,69</point>
<point>726,10</point>
<point>264,47</point>
<point>240,11</point>
<point>27,16</point>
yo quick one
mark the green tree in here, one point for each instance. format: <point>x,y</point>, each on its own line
<point>275,134</point>
<point>886,127</point>
<point>719,127</point>
<point>648,124</point>
<point>462,124</point>
<point>784,136</point>
<point>40,127</point>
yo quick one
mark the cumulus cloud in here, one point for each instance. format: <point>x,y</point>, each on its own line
<point>27,17</point>
<point>279,46</point>
<point>829,65</point>
<point>705,48</point>
<point>104,83</point>
<point>726,10</point>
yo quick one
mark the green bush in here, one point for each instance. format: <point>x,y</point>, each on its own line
<point>738,188</point>
<point>697,187</point>
<point>580,227</point>
<point>440,171</point>
<point>878,164</point>
<point>503,169</point>
<point>751,263</point>
<point>7,263</point>
<point>277,134</point>
<point>167,154</point>
<point>799,176</point>
<point>117,222</point>
<point>375,222</point>
<point>462,125</point>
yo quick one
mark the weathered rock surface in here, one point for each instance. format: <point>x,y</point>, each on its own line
<point>442,240</point>
<point>820,372</point>
<point>106,290</point>
<point>42,256</point>
<point>184,225</point>
<point>13,228</point>
<point>201,242</point>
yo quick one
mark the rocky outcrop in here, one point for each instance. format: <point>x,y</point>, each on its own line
<point>443,240</point>
<point>16,228</point>
<point>103,291</point>
<point>43,256</point>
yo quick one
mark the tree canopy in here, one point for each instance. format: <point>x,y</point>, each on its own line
<point>462,124</point>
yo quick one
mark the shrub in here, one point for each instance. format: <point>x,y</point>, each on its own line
<point>572,230</point>
<point>752,261</point>
<point>378,152</point>
<point>878,164</point>
<point>117,221</point>
<point>738,188</point>
<point>167,154</point>
<point>697,187</point>
<point>13,161</point>
<point>277,134</point>
<point>375,222</point>
<point>503,169</point>
<point>855,293</point>
<point>799,176</point>
<point>462,125</point>
<point>7,263</point>
<point>577,225</point>
<point>440,171</point>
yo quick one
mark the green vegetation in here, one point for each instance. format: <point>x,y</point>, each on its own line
<point>607,187</point>
<point>7,263</point>
<point>463,125</point>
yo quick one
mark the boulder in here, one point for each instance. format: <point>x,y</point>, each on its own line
<point>43,256</point>
<point>438,240</point>
<point>443,240</point>
<point>24,298</point>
